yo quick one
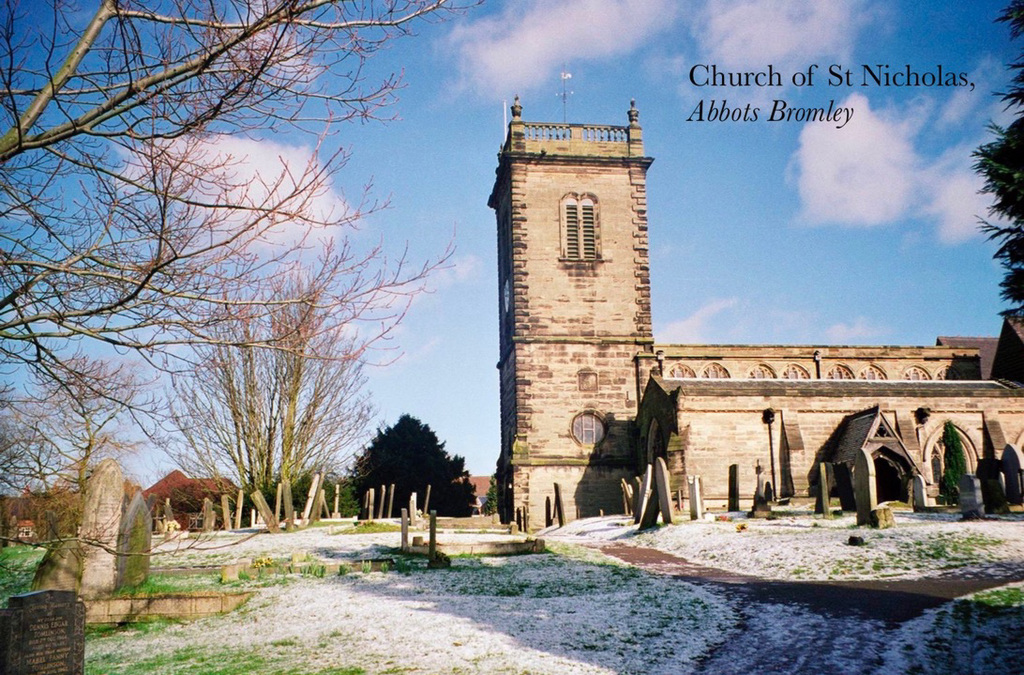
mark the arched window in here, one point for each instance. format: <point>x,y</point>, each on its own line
<point>915,373</point>
<point>580,239</point>
<point>795,372</point>
<point>873,372</point>
<point>680,371</point>
<point>839,373</point>
<point>588,428</point>
<point>761,372</point>
<point>937,464</point>
<point>715,371</point>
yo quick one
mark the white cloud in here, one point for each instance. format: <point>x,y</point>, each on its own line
<point>526,44</point>
<point>693,328</point>
<point>861,329</point>
<point>460,270</point>
<point>784,33</point>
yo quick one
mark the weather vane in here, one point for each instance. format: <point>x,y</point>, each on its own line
<point>566,93</point>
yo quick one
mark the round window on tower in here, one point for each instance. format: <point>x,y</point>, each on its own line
<point>588,429</point>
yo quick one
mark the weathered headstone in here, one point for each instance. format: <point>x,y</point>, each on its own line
<point>383,500</point>
<point>548,520</point>
<point>664,489</point>
<point>61,566</point>
<point>643,495</point>
<point>265,512</point>
<point>864,486</point>
<point>277,500</point>
<point>627,503</point>
<point>168,513</point>
<point>696,502</point>
<point>844,486</point>
<point>313,487</point>
<point>921,500</point>
<point>289,507</point>
<point>391,501</point>
<point>335,514</point>
<point>649,516</point>
<point>240,502</point>
<point>225,511</point>
<point>370,504</point>
<point>432,546</point>
<point>559,506</point>
<point>1011,467</point>
<point>734,487</point>
<point>762,507</point>
<point>101,523</point>
<point>252,518</point>
<point>405,530</point>
<point>823,498</point>
<point>971,504</point>
<point>412,509</point>
<point>134,544</point>
<point>636,492</point>
<point>209,515</point>
<point>426,501</point>
<point>43,633</point>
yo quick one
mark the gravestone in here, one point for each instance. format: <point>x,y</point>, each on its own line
<point>696,502</point>
<point>43,633</point>
<point>225,511</point>
<point>239,502</point>
<point>734,487</point>
<point>881,518</point>
<point>844,486</point>
<point>313,487</point>
<point>661,483</point>
<point>335,514</point>
<point>643,496</point>
<point>209,517</point>
<point>649,513</point>
<point>277,500</point>
<point>426,501</point>
<point>823,501</point>
<point>547,512</point>
<point>637,488</point>
<point>289,507</point>
<point>1011,467</point>
<point>101,523</point>
<point>864,486</point>
<point>405,530</point>
<point>971,504</point>
<point>265,513</point>
<point>134,543</point>
<point>61,566</point>
<point>921,501</point>
<point>432,546</point>
<point>391,501</point>
<point>412,509</point>
<point>627,505</point>
<point>168,513</point>
<point>559,506</point>
<point>370,504</point>
<point>383,500</point>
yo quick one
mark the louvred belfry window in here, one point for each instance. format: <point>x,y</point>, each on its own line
<point>580,233</point>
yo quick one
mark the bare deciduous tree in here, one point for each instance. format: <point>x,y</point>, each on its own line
<point>128,213</point>
<point>260,415</point>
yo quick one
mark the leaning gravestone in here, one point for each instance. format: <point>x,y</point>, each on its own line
<point>265,513</point>
<point>1011,468</point>
<point>61,566</point>
<point>864,488</point>
<point>559,506</point>
<point>661,483</point>
<point>101,524</point>
<point>971,504</point>
<point>43,633</point>
<point>134,543</point>
<point>643,496</point>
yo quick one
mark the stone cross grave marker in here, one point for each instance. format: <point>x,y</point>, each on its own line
<point>762,508</point>
<point>734,487</point>
<point>43,633</point>
<point>661,483</point>
<point>971,503</point>
<point>101,523</point>
<point>696,501</point>
<point>1011,467</point>
<point>134,543</point>
<point>864,488</point>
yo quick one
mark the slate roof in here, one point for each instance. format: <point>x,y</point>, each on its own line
<point>986,347</point>
<point>841,388</point>
<point>854,432</point>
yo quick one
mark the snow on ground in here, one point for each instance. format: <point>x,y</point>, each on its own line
<point>799,546</point>
<point>576,611</point>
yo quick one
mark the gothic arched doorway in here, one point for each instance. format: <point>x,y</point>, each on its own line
<point>892,476</point>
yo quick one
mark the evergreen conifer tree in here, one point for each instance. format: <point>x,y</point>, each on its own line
<point>955,464</point>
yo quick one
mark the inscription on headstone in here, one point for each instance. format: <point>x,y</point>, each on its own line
<point>43,633</point>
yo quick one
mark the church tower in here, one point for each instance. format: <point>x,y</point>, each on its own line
<point>574,312</point>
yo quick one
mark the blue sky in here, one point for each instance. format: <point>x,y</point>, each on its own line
<point>760,232</point>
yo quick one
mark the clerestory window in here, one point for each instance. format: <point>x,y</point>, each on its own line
<point>580,237</point>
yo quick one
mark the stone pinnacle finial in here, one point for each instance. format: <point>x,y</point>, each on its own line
<point>517,110</point>
<point>633,113</point>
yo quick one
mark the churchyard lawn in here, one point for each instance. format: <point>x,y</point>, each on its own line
<point>577,610</point>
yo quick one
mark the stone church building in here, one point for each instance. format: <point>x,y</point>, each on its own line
<point>588,398</point>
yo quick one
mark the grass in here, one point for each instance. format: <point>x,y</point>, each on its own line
<point>163,584</point>
<point>17,567</point>
<point>370,527</point>
<point>197,661</point>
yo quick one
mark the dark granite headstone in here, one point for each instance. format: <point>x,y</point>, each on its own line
<point>734,487</point>
<point>43,633</point>
<point>1012,468</point>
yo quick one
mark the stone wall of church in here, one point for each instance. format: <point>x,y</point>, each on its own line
<point>717,431</point>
